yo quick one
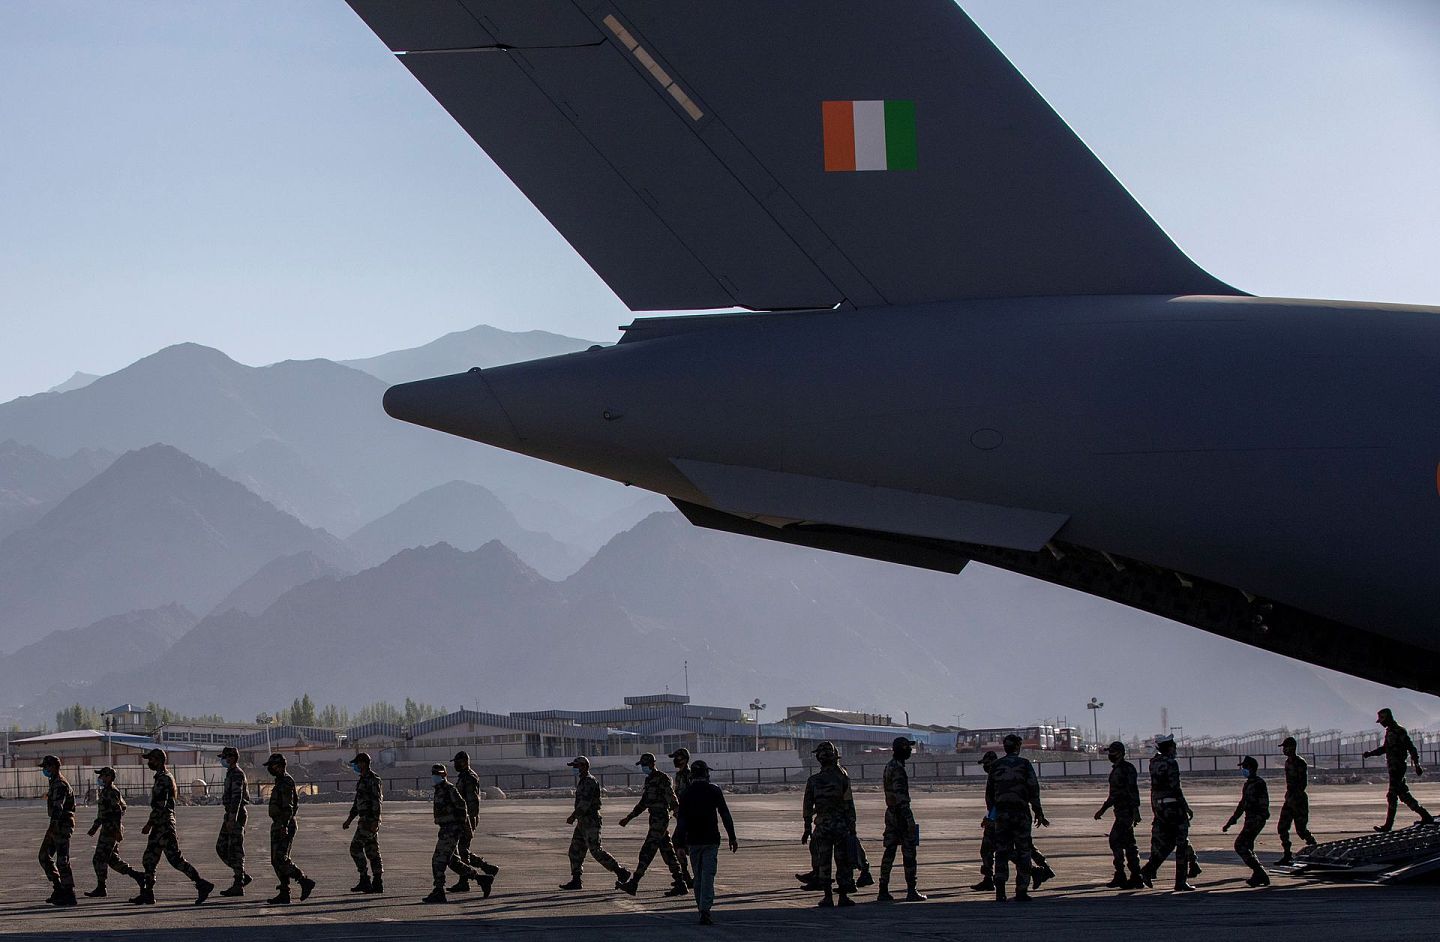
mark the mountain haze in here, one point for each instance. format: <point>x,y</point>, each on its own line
<point>275,578</point>
<point>32,481</point>
<point>481,346</point>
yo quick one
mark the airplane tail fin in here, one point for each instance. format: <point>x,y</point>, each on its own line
<point>775,155</point>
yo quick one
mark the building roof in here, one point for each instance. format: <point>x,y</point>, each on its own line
<point>79,735</point>
<point>126,708</point>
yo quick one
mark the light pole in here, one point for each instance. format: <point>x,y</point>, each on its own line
<point>757,706</point>
<point>1094,707</point>
<point>266,719</point>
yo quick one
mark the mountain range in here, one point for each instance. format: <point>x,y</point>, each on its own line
<point>481,346</point>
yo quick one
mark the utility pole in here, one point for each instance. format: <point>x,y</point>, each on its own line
<point>1094,707</point>
<point>757,706</point>
<point>687,679</point>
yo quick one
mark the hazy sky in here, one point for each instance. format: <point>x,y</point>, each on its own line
<point>265,178</point>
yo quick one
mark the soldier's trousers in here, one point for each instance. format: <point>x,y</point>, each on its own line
<point>107,856</point>
<point>1295,810</point>
<point>163,842</point>
<point>1170,831</point>
<point>658,839</point>
<point>1123,848</point>
<point>1400,791</point>
<point>282,836</point>
<point>446,854</point>
<point>586,840</point>
<point>1011,835</point>
<point>230,847</point>
<point>834,841</point>
<point>365,848</point>
<point>55,856</point>
<point>1245,841</point>
<point>902,834</point>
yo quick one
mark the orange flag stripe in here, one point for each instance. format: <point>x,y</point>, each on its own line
<point>838,119</point>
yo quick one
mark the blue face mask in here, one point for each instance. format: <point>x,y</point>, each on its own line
<point>648,769</point>
<point>1245,773</point>
<point>437,779</point>
<point>47,773</point>
<point>355,767</point>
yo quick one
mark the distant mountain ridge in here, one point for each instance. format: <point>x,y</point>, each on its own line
<point>32,481</point>
<point>483,346</point>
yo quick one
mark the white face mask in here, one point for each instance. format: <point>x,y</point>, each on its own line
<point>437,779</point>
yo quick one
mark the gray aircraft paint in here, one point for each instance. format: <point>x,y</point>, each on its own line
<point>1017,366</point>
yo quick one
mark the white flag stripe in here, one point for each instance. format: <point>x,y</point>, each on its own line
<point>869,135</point>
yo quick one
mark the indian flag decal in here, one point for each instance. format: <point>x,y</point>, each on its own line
<point>868,135</point>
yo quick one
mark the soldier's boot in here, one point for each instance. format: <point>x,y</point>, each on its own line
<point>362,887</point>
<point>1040,874</point>
<point>912,877</point>
<point>1136,880</point>
<point>487,868</point>
<point>574,884</point>
<point>1119,881</point>
<point>677,888</point>
<point>1389,816</point>
<point>843,899</point>
<point>281,898</point>
<point>1258,876</point>
<point>462,885</point>
<point>487,883</point>
<point>64,896</point>
<point>806,877</point>
<point>1180,885</point>
<point>377,884</point>
<point>98,892</point>
<point>986,883</point>
<point>307,886</point>
<point>1023,881</point>
<point>203,889</point>
<point>1147,874</point>
<point>883,895</point>
<point>628,886</point>
<point>913,895</point>
<point>622,876</point>
<point>999,885</point>
<point>54,891</point>
<point>437,895</point>
<point>146,896</point>
<point>1285,859</point>
<point>828,900</point>
<point>237,888</point>
<point>1193,869</point>
<point>865,878</point>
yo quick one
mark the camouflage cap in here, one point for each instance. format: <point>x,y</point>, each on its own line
<point>462,754</point>
<point>437,769</point>
<point>681,753</point>
<point>988,757</point>
<point>230,751</point>
<point>106,770</point>
<point>579,762</point>
<point>903,741</point>
<point>275,759</point>
<point>700,768</point>
<point>49,760</point>
<point>1248,763</point>
<point>825,747</point>
<point>156,754</point>
<point>646,759</point>
<point>1166,738</point>
<point>1288,741</point>
<point>362,757</point>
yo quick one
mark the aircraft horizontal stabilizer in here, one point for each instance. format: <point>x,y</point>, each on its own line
<point>805,154</point>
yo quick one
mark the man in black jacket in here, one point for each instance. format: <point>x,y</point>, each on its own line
<point>697,832</point>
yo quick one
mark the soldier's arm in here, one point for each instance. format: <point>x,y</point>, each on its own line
<point>1410,748</point>
<point>1132,787</point>
<point>848,798</point>
<point>671,801</point>
<point>1378,751</point>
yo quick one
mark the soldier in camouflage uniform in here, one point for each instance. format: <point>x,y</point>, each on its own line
<point>1170,816</point>
<point>1255,807</point>
<point>55,847</point>
<point>829,812</point>
<point>1296,808</point>
<point>450,817</point>
<point>901,831</point>
<point>109,814</point>
<point>683,778</point>
<point>586,837</point>
<point>1039,867</point>
<point>1124,800</point>
<point>658,800</point>
<point>1396,748</point>
<point>160,829</point>
<point>1012,791</point>
<point>230,845</point>
<point>284,802</point>
<point>467,783</point>
<point>365,845</point>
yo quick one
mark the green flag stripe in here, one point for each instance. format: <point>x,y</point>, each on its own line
<point>900,135</point>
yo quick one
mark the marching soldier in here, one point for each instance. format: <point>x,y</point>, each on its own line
<point>1255,807</point>
<point>901,831</point>
<point>1396,748</point>
<point>1124,800</point>
<point>1039,867</point>
<point>230,845</point>
<point>450,817</point>
<point>1169,817</point>
<point>55,847</point>
<point>365,845</point>
<point>683,778</point>
<point>109,813</point>
<point>163,841</point>
<point>829,812</point>
<point>1012,791</point>
<point>284,802</point>
<point>586,837</point>
<point>1296,808</point>
<point>657,798</point>
<point>467,783</point>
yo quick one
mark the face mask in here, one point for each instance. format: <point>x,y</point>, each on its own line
<point>355,767</point>
<point>436,779</point>
<point>47,773</point>
<point>648,769</point>
<point>1245,773</point>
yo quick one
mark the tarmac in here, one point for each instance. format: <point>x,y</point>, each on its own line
<point>757,896</point>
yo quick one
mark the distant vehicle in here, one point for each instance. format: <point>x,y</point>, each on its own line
<point>972,343</point>
<point>1040,738</point>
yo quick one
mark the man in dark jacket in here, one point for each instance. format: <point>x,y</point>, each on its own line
<point>697,833</point>
<point>1255,807</point>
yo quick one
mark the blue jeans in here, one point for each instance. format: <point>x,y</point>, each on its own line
<point>703,860</point>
